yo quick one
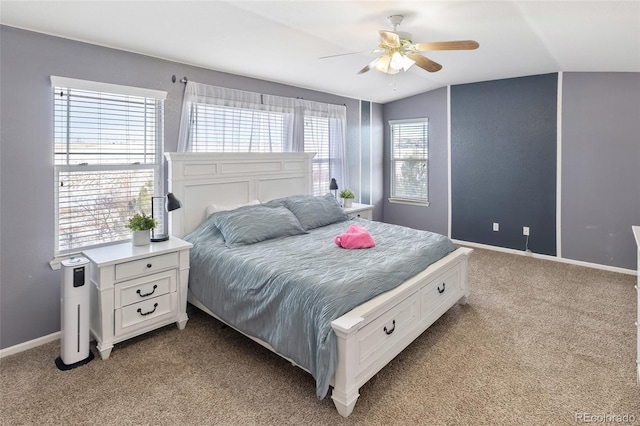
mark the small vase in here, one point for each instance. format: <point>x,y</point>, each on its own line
<point>141,238</point>
<point>347,202</point>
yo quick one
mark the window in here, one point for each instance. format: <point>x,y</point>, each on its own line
<point>218,119</point>
<point>217,128</point>
<point>108,157</point>
<point>410,161</point>
<point>316,139</point>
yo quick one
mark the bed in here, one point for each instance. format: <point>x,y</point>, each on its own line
<point>352,335</point>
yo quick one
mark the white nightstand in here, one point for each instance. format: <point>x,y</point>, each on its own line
<point>364,211</point>
<point>135,289</point>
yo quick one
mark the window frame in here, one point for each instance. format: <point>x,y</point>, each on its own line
<point>321,164</point>
<point>155,120</point>
<point>393,128</point>
<point>325,135</point>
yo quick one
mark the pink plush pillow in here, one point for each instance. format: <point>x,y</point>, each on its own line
<point>356,237</point>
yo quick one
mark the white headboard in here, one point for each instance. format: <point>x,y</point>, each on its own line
<point>199,179</point>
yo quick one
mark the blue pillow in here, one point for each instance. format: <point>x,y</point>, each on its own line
<point>316,211</point>
<point>253,224</point>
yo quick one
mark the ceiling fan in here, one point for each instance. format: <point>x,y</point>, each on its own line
<point>400,53</point>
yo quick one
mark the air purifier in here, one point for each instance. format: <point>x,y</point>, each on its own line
<point>74,314</point>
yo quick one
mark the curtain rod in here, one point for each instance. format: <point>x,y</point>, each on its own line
<point>182,80</point>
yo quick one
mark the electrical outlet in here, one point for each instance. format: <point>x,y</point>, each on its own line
<point>496,226</point>
<point>525,230</point>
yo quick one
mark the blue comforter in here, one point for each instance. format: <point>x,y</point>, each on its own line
<point>286,291</point>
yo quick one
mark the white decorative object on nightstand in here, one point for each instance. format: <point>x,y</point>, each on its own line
<point>135,289</point>
<point>364,211</point>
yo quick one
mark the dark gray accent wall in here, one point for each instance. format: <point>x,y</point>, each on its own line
<point>29,289</point>
<point>503,162</point>
<point>433,217</point>
<point>600,167</point>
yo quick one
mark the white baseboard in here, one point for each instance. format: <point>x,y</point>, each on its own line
<point>11,350</point>
<point>547,257</point>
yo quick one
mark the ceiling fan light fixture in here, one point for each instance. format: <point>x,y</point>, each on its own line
<point>397,62</point>
<point>407,62</point>
<point>383,64</point>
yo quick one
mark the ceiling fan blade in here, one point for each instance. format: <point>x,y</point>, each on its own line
<point>425,63</point>
<point>448,45</point>
<point>352,53</point>
<point>368,67</point>
<point>389,38</point>
<point>365,69</point>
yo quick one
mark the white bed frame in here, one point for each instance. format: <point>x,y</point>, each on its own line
<point>370,335</point>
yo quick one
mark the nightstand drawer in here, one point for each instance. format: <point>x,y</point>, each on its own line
<point>132,316</point>
<point>363,211</point>
<point>144,288</point>
<point>146,266</point>
<point>364,214</point>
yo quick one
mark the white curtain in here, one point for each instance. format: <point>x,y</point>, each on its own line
<point>293,109</point>
<point>204,94</point>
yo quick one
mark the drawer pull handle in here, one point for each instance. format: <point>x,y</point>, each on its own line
<point>444,285</point>
<point>392,330</point>
<point>155,305</point>
<point>147,294</point>
<point>149,265</point>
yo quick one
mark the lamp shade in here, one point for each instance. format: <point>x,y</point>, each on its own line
<point>396,61</point>
<point>172,202</point>
<point>333,185</point>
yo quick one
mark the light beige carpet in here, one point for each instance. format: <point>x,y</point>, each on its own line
<point>539,343</point>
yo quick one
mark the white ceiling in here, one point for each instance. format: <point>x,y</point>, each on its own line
<point>282,41</point>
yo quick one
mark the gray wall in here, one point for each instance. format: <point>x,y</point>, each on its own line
<point>365,152</point>
<point>377,160</point>
<point>600,167</point>
<point>367,155</point>
<point>503,162</point>
<point>29,289</point>
<point>435,216</point>
<point>600,163</point>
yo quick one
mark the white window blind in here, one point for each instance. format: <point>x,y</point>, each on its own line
<point>217,128</point>
<point>108,147</point>
<point>316,139</point>
<point>409,161</point>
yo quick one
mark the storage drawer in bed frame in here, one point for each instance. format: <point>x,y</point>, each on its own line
<point>407,318</point>
<point>372,334</point>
